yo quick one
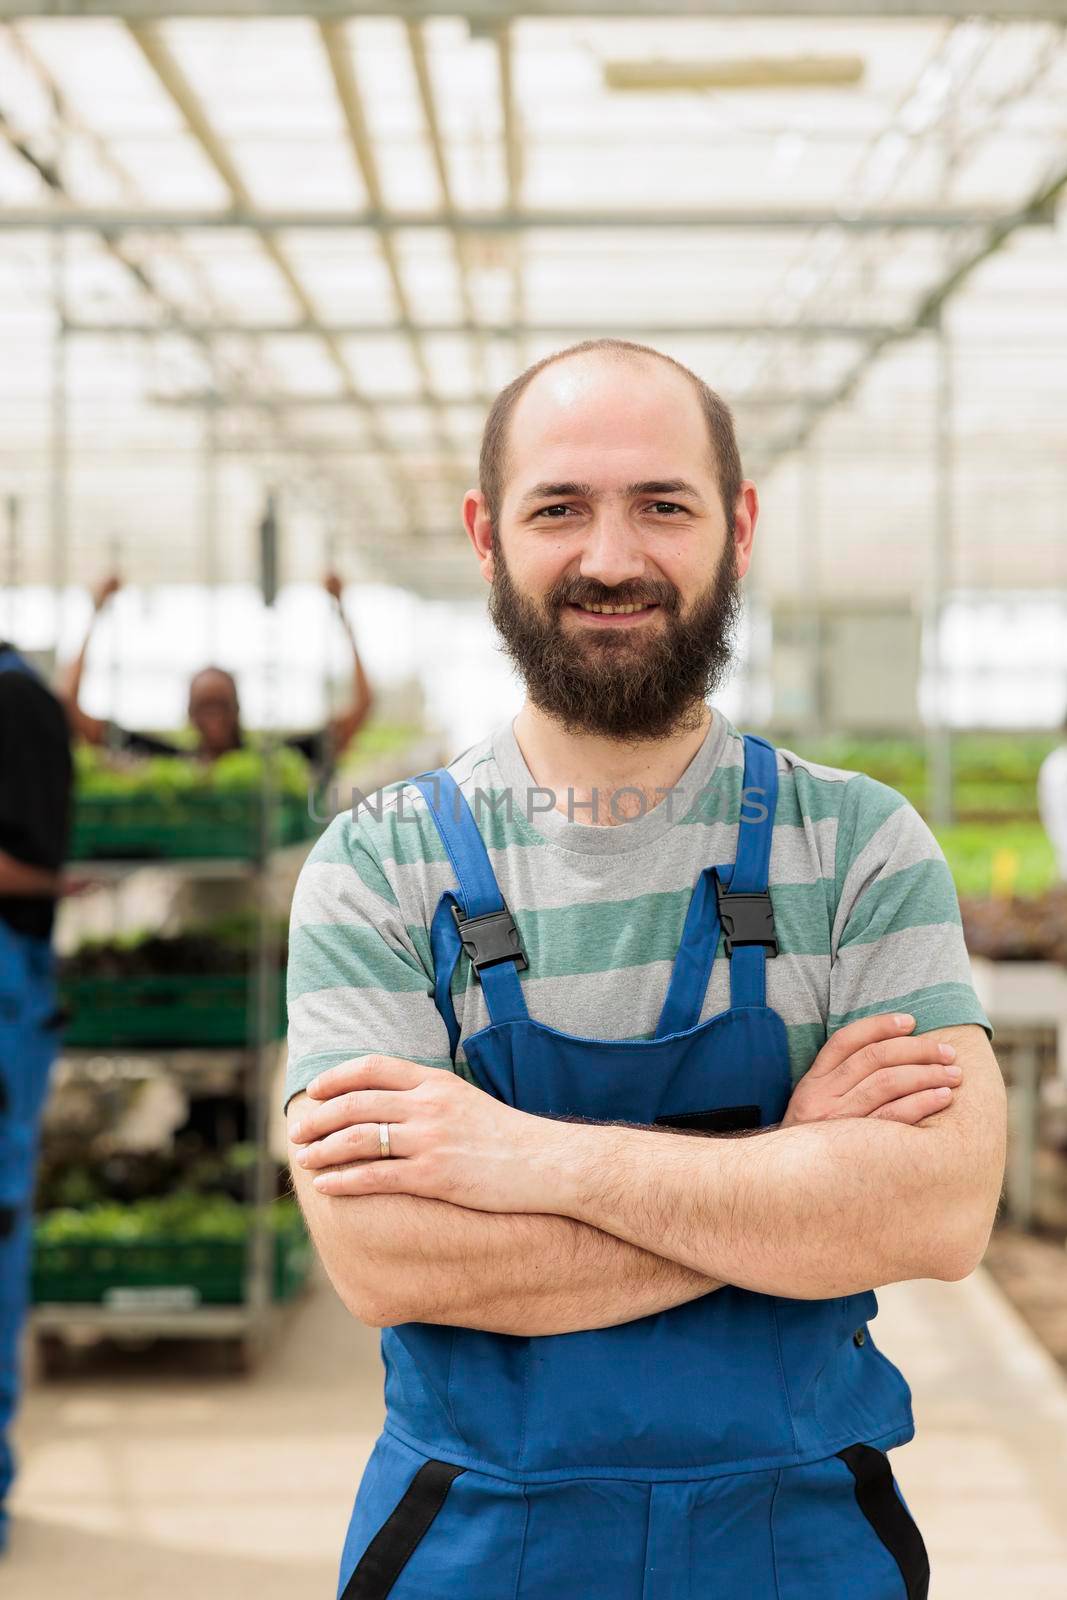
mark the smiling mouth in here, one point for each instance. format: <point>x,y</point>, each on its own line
<point>613,613</point>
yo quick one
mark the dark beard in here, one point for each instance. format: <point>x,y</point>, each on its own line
<point>631,689</point>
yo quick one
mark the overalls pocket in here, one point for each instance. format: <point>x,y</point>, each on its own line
<point>426,1529</point>
<point>882,1504</point>
<point>840,1527</point>
<point>396,1540</point>
<point>721,1119</point>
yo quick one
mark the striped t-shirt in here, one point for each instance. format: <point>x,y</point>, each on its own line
<point>865,909</point>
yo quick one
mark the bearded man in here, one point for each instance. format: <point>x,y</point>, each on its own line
<point>628,1057</point>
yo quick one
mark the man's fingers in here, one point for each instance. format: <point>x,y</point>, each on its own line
<point>358,1143</point>
<point>893,1083</point>
<point>369,1106</point>
<point>868,1030</point>
<point>912,1108</point>
<point>874,1058</point>
<point>367,1072</point>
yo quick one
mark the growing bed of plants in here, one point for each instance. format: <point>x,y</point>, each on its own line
<point>189,1244</point>
<point>994,775</point>
<point>175,807</point>
<point>191,988</point>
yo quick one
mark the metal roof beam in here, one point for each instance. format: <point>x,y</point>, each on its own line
<point>118,219</point>
<point>513,171</point>
<point>491,13</point>
<point>207,399</point>
<point>149,40</point>
<point>52,177</point>
<point>335,42</point>
<point>1043,203</point>
<point>504,330</point>
<point>461,242</point>
<point>176,322</point>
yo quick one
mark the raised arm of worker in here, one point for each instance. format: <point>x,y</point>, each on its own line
<point>92,729</point>
<point>342,728</point>
<point>815,1210</point>
<point>356,975</point>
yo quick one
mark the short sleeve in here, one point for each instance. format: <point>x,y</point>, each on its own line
<point>133,743</point>
<point>316,748</point>
<point>359,977</point>
<point>34,772</point>
<point>897,941</point>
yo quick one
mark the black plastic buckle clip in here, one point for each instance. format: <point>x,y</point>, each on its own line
<point>746,919</point>
<point>490,938</point>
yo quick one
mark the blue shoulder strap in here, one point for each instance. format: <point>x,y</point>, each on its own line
<point>749,922</point>
<point>477,895</point>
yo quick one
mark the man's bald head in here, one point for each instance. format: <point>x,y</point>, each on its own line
<point>493,461</point>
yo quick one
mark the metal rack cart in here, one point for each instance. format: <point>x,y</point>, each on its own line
<point>272,1265</point>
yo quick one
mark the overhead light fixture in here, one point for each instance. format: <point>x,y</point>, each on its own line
<point>751,72</point>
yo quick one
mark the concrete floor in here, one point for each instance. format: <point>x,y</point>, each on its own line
<point>181,1482</point>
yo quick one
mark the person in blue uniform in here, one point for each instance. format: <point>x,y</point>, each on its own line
<point>35,783</point>
<point>614,1122</point>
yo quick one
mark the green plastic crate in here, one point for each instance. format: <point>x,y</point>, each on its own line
<point>189,1011</point>
<point>182,827</point>
<point>205,1271</point>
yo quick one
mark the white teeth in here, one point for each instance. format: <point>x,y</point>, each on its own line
<point>612,611</point>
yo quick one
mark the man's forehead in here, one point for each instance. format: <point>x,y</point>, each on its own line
<point>608,404</point>
<point>211,682</point>
<point>611,424</point>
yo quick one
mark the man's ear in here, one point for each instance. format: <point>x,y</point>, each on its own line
<point>746,515</point>
<point>479,528</point>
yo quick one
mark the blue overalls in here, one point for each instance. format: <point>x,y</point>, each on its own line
<point>28,1040</point>
<point>731,1447</point>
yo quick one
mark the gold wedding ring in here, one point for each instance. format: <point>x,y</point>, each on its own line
<point>383,1140</point>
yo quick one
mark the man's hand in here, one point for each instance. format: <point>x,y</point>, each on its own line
<point>74,884</point>
<point>448,1139</point>
<point>871,1069</point>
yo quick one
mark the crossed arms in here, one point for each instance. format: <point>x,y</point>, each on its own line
<point>883,1169</point>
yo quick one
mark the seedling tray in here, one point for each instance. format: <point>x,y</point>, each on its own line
<point>185,1011</point>
<point>183,826</point>
<point>190,1272</point>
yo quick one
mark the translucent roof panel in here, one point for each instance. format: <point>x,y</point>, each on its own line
<point>307,254</point>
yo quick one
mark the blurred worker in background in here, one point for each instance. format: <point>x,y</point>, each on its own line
<point>1052,800</point>
<point>35,781</point>
<point>214,708</point>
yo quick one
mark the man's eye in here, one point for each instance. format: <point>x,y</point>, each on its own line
<point>667,505</point>
<point>553,511</point>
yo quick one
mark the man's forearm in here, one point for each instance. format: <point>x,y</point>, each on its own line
<point>399,1258</point>
<point>23,881</point>
<point>806,1212</point>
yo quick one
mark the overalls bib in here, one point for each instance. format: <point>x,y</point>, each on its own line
<point>730,1446</point>
<point>28,1041</point>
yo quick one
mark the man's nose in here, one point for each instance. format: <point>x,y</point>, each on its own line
<point>612,553</point>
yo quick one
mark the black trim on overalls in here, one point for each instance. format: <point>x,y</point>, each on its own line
<point>397,1539</point>
<point>887,1514</point>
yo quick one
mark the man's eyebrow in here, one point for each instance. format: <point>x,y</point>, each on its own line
<point>665,486</point>
<point>559,491</point>
<point>586,491</point>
